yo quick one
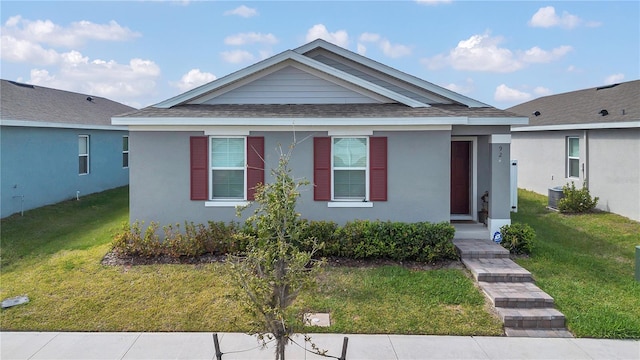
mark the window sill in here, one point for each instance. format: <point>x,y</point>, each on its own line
<point>225,203</point>
<point>350,204</point>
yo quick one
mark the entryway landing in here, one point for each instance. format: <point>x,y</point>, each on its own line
<point>470,230</point>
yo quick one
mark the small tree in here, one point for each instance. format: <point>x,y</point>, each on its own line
<point>274,270</point>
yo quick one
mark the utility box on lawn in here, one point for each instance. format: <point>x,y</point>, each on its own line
<point>555,194</point>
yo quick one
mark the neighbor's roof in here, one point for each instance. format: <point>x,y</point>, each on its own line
<point>401,98</point>
<point>33,105</point>
<point>612,106</point>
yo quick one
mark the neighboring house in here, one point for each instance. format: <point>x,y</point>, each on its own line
<point>376,143</point>
<point>56,145</point>
<point>591,136</point>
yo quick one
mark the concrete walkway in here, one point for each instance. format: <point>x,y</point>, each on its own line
<point>137,346</point>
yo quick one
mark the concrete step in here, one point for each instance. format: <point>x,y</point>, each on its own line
<point>538,333</point>
<point>516,295</point>
<point>497,270</point>
<point>476,249</point>
<point>539,318</point>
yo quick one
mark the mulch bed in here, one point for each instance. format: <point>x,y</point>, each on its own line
<point>114,259</point>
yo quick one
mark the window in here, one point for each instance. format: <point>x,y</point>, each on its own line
<point>83,154</point>
<point>125,151</point>
<point>349,160</point>
<point>226,169</point>
<point>350,171</point>
<point>573,157</point>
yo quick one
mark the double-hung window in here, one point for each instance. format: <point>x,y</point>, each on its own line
<point>228,168</point>
<point>125,151</point>
<point>350,163</point>
<point>573,157</point>
<point>350,171</point>
<point>83,154</point>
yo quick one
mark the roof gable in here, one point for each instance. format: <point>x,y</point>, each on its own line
<point>333,64</point>
<point>614,104</point>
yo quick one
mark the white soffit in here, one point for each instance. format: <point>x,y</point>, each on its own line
<point>587,126</point>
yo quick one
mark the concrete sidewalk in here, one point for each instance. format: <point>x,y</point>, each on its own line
<point>136,346</point>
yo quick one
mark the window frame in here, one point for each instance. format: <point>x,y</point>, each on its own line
<point>227,200</point>
<point>84,155</point>
<point>125,152</point>
<point>570,158</point>
<point>366,168</point>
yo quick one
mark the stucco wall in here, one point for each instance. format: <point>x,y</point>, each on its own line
<point>418,178</point>
<point>614,170</point>
<point>41,164</point>
<point>611,158</point>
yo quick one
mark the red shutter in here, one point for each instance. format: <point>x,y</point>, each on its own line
<point>378,169</point>
<point>199,168</point>
<point>322,168</point>
<point>255,164</point>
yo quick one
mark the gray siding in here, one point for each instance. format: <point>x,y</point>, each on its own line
<point>291,86</point>
<point>611,165</point>
<point>418,179</point>
<point>378,80</point>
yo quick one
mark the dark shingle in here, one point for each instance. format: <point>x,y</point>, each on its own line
<point>36,103</point>
<point>621,101</point>
<point>315,111</point>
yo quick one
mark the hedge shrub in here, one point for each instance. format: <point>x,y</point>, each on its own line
<point>576,200</point>
<point>358,239</point>
<point>517,238</point>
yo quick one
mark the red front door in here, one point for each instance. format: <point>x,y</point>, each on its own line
<point>460,177</point>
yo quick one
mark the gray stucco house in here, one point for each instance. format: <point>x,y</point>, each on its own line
<point>590,135</point>
<point>56,145</point>
<point>375,143</point>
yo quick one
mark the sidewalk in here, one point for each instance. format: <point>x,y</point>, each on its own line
<point>137,346</point>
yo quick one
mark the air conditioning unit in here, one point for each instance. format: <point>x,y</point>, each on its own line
<point>555,194</point>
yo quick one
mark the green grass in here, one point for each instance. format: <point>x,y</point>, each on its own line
<point>586,263</point>
<point>53,256</point>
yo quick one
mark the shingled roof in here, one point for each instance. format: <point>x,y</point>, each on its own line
<point>24,103</point>
<point>613,104</point>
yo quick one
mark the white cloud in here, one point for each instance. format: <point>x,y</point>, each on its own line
<point>478,53</point>
<point>485,53</point>
<point>192,79</point>
<point>119,82</point>
<point>237,56</point>
<point>250,38</point>
<point>319,31</point>
<point>614,78</point>
<point>388,49</point>
<point>76,34</point>
<point>465,88</point>
<point>243,11</point>
<point>537,55</point>
<point>541,91</point>
<point>23,51</point>
<point>546,17</point>
<point>506,94</point>
<point>362,50</point>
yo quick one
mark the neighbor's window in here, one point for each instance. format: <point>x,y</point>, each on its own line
<point>125,151</point>
<point>349,163</point>
<point>228,168</point>
<point>83,154</point>
<point>573,157</point>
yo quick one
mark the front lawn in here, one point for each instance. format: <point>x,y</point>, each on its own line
<point>53,255</point>
<point>586,263</point>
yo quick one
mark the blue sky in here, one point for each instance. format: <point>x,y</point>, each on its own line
<point>142,52</point>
